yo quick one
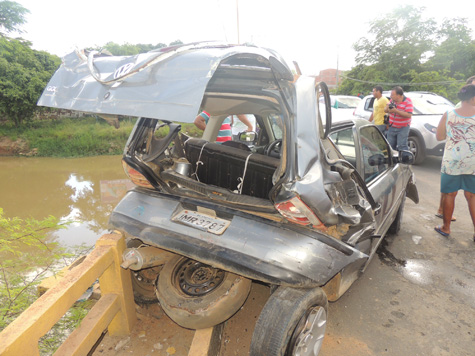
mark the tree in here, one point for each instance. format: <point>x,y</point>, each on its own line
<point>439,82</point>
<point>404,48</point>
<point>26,255</point>
<point>24,74</point>
<point>456,51</point>
<point>175,43</point>
<point>399,40</point>
<point>12,16</point>
<point>128,49</point>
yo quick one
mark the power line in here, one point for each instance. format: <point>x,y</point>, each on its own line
<point>404,84</point>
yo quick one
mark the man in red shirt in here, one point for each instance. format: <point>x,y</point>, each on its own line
<point>400,112</point>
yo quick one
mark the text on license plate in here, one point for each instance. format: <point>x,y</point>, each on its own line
<point>201,221</point>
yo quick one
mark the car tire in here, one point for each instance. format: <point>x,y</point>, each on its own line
<point>292,322</point>
<point>198,296</point>
<point>396,225</point>
<point>417,147</point>
<point>143,281</point>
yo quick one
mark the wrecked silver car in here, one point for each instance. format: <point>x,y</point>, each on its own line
<point>297,203</point>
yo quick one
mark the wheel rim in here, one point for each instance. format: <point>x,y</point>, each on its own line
<point>196,279</point>
<point>310,332</point>
<point>412,147</point>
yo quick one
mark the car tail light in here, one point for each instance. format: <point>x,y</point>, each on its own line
<point>135,176</point>
<point>296,211</point>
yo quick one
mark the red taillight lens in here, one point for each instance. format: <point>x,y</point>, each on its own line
<point>136,177</point>
<point>296,211</point>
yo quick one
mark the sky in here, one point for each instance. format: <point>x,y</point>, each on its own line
<point>316,34</point>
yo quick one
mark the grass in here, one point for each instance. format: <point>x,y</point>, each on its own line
<point>76,137</point>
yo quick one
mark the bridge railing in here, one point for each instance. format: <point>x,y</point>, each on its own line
<point>115,310</point>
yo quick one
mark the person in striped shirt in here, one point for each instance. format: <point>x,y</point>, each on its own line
<point>225,131</point>
<point>400,110</point>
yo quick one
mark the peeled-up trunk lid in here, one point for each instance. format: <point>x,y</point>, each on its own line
<point>166,84</point>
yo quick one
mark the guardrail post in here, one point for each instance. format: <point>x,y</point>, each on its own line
<point>118,281</point>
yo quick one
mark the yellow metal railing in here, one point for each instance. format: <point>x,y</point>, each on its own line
<point>114,311</point>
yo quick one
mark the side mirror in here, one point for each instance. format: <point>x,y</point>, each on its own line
<point>376,160</point>
<point>247,136</point>
<point>406,157</point>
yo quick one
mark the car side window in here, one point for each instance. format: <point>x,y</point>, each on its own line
<point>345,142</point>
<point>375,151</point>
<point>276,125</point>
<point>368,106</point>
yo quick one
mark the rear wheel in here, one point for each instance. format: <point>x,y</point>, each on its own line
<point>198,296</point>
<point>396,225</point>
<point>416,146</point>
<point>292,322</point>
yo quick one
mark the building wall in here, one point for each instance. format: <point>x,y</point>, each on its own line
<point>329,77</point>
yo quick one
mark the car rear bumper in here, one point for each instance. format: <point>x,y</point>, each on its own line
<point>251,246</point>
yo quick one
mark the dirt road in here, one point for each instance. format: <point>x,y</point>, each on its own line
<point>417,297</point>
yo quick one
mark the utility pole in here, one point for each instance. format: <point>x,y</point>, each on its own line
<point>237,14</point>
<point>337,60</point>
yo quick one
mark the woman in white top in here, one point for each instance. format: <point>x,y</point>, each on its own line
<point>458,163</point>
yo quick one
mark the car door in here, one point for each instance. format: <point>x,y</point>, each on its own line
<point>379,173</point>
<point>365,108</point>
<point>369,152</point>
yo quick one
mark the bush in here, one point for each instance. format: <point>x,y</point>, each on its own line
<point>26,256</point>
<point>78,137</point>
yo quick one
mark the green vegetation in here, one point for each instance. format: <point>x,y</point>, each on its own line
<point>76,137</point>
<point>27,256</point>
<point>24,74</point>
<point>53,339</point>
<point>71,137</point>
<point>405,48</point>
<point>129,49</point>
<point>12,16</point>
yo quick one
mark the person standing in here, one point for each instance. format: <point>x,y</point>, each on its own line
<point>225,131</point>
<point>400,111</point>
<point>379,103</point>
<point>458,162</point>
<point>439,213</point>
<point>470,80</point>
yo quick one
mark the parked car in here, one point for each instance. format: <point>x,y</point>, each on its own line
<point>428,109</point>
<point>303,210</point>
<point>343,106</point>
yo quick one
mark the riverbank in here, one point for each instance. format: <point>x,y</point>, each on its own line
<point>70,137</point>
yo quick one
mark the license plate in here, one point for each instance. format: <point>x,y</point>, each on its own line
<point>201,221</point>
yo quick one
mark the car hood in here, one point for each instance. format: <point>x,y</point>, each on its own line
<point>166,84</point>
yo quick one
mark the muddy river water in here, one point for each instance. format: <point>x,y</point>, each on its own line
<point>81,190</point>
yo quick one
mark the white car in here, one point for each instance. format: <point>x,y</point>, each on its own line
<point>428,109</point>
<point>343,106</point>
